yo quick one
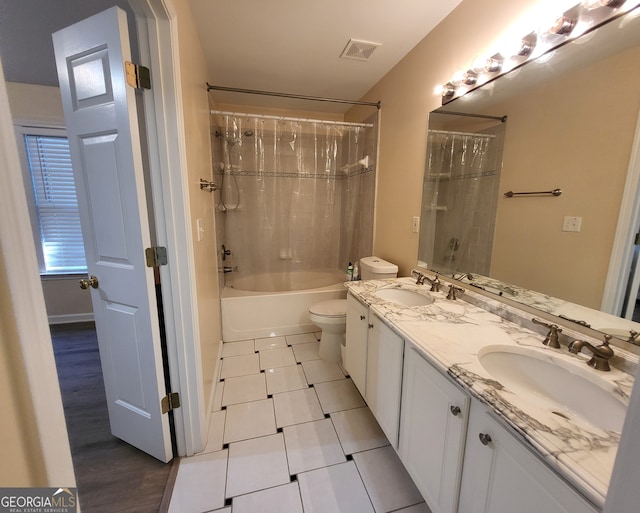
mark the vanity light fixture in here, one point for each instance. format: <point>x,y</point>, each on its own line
<point>447,90</point>
<point>494,63</point>
<point>594,4</point>
<point>571,24</point>
<point>470,77</point>
<point>527,45</point>
<point>563,25</point>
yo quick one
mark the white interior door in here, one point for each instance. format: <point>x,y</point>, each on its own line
<point>102,126</point>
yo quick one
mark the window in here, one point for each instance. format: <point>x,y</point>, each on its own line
<point>56,220</point>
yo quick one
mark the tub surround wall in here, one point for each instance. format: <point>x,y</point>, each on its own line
<point>289,203</point>
<point>450,333</point>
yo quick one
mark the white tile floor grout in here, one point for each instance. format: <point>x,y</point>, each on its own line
<point>289,433</point>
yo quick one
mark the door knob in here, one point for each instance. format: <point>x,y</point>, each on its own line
<point>91,282</point>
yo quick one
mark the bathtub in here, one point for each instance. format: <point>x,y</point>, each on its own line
<point>274,304</point>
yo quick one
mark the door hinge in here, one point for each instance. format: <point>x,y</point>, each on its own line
<point>156,256</point>
<point>170,402</point>
<point>138,76</point>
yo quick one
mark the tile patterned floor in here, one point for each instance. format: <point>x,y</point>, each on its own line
<point>289,433</point>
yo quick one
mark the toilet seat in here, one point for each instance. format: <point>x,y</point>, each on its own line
<point>331,308</point>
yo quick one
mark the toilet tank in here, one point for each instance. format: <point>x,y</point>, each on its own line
<point>374,268</point>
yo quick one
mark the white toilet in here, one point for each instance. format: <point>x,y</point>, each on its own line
<point>331,316</point>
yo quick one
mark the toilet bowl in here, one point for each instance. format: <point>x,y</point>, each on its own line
<point>331,317</point>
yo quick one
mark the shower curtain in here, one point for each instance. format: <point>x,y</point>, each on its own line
<point>293,194</point>
<point>460,191</point>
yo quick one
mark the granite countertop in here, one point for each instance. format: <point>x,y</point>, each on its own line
<point>450,335</point>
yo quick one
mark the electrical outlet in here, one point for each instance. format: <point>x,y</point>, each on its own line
<point>571,224</point>
<point>415,224</point>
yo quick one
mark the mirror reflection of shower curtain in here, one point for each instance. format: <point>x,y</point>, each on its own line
<point>461,185</point>
<point>293,200</point>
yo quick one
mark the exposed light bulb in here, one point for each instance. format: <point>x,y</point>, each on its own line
<point>447,90</point>
<point>470,77</point>
<point>457,78</point>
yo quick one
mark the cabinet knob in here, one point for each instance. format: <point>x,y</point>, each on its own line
<point>362,317</point>
<point>484,438</point>
<point>370,326</point>
<point>455,410</point>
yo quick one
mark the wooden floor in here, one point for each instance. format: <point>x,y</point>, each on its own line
<point>111,475</point>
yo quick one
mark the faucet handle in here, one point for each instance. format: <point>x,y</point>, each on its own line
<point>452,292</point>
<point>551,339</point>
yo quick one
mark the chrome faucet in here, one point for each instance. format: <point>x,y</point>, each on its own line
<point>600,355</point>
<point>551,339</point>
<point>435,283</point>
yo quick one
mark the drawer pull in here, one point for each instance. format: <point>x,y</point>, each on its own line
<point>484,438</point>
<point>455,410</point>
<point>362,317</point>
<point>370,326</point>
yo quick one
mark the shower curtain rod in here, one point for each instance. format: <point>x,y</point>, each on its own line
<point>482,116</point>
<point>449,132</point>
<point>288,95</point>
<point>288,118</point>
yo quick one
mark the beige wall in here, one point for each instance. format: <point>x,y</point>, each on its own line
<point>41,106</point>
<point>580,142</point>
<point>22,463</point>
<point>198,147</point>
<point>407,96</point>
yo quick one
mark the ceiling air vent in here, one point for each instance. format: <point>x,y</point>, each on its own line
<point>359,50</point>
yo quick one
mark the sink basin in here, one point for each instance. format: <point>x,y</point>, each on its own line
<point>403,297</point>
<point>564,388</point>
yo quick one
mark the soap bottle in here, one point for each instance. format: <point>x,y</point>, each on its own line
<point>350,272</point>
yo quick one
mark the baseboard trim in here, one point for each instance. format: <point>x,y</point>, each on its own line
<point>71,318</point>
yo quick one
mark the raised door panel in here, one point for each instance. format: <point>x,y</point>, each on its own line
<point>384,376</point>
<point>432,431</point>
<point>356,342</point>
<point>501,475</point>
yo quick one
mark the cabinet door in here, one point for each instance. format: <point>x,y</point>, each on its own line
<point>501,475</point>
<point>432,432</point>
<point>356,342</point>
<point>384,376</point>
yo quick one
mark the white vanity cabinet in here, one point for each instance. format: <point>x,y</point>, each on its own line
<point>501,475</point>
<point>385,351</point>
<point>373,359</point>
<point>356,342</point>
<point>432,431</point>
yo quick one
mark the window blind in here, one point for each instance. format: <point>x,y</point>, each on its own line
<point>56,204</point>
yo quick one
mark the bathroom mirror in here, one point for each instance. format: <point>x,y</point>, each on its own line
<point>571,122</point>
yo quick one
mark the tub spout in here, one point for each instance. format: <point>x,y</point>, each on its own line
<point>229,269</point>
